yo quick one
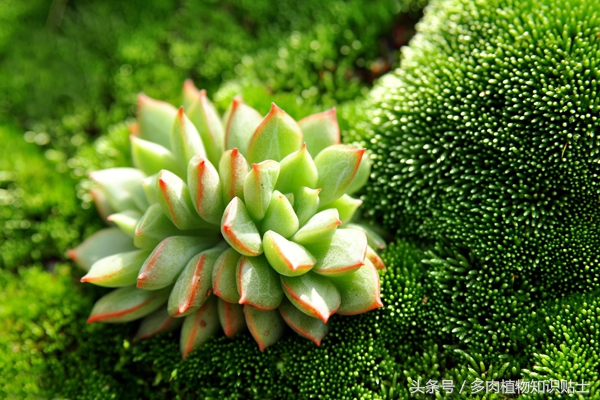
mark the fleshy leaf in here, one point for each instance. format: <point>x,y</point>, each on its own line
<point>311,328</point>
<point>258,284</point>
<point>297,169</point>
<point>199,327</point>
<point>151,157</point>
<point>346,207</point>
<point>205,118</point>
<point>258,187</point>
<point>337,166</point>
<point>266,327</point>
<point>168,259</point>
<point>157,322</point>
<point>239,230</point>
<point>344,253</point>
<point>306,203</point>
<point>320,131</point>
<point>280,216</point>
<point>319,229</point>
<point>205,189</point>
<point>231,316</point>
<point>312,294</point>
<point>174,199</point>
<point>154,118</point>
<point>362,176</point>
<point>190,93</point>
<point>153,227</point>
<point>127,304</point>
<point>185,140</point>
<point>375,259</point>
<point>126,221</point>
<point>373,238</point>
<point>194,284</point>
<point>277,136</point>
<point>359,290</point>
<point>101,244</point>
<point>101,201</point>
<point>120,185</point>
<point>224,278</point>
<point>150,186</point>
<point>241,121</point>
<point>233,169</point>
<point>287,258</point>
<point>117,270</point>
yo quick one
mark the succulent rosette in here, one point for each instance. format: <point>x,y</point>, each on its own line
<point>240,222</point>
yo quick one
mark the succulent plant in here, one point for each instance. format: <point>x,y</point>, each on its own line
<point>237,222</point>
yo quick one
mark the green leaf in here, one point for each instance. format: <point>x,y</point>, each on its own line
<point>190,94</point>
<point>158,322</point>
<point>362,176</point>
<point>121,186</point>
<point>150,185</point>
<point>277,136</point>
<point>205,118</point>
<point>117,270</point>
<point>359,290</point>
<point>126,221</point>
<point>280,216</point>
<point>266,327</point>
<point>375,259</point>
<point>175,201</point>
<point>320,131</point>
<point>287,258</point>
<point>153,227</point>
<point>233,169</point>
<point>101,244</point>
<point>231,317</point>
<point>346,207</point>
<point>185,140</point>
<point>297,169</point>
<point>100,198</point>
<point>224,276</point>
<point>168,259</point>
<point>205,189</point>
<point>127,304</point>
<point>373,238</point>
<point>258,187</point>
<point>258,284</point>
<point>155,119</point>
<point>239,230</point>
<point>151,157</point>
<point>199,327</point>
<point>311,328</point>
<point>313,294</point>
<point>194,284</point>
<point>319,229</point>
<point>337,166</point>
<point>306,203</point>
<point>344,253</point>
<point>241,121</point>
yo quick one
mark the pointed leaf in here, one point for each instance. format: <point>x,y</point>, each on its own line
<point>258,284</point>
<point>312,294</point>
<point>168,259</point>
<point>337,166</point>
<point>151,157</point>
<point>231,317</point>
<point>258,187</point>
<point>101,201</point>
<point>126,221</point>
<point>359,290</point>
<point>120,185</point>
<point>154,120</point>
<point>150,186</point>
<point>199,327</point>
<point>239,230</point>
<point>311,328</point>
<point>190,93</point>
<point>233,169</point>
<point>127,304</point>
<point>158,322</point>
<point>297,169</point>
<point>153,227</point>
<point>194,284</point>
<point>319,229</point>
<point>224,276</point>
<point>362,176</point>
<point>373,238</point>
<point>287,258</point>
<point>101,244</point>
<point>185,140</point>
<point>117,270</point>
<point>205,189</point>
<point>266,327</point>
<point>346,207</point>
<point>306,204</point>
<point>345,253</point>
<point>205,118</point>
<point>241,121</point>
<point>277,136</point>
<point>280,216</point>
<point>175,201</point>
<point>375,259</point>
<point>320,131</point>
